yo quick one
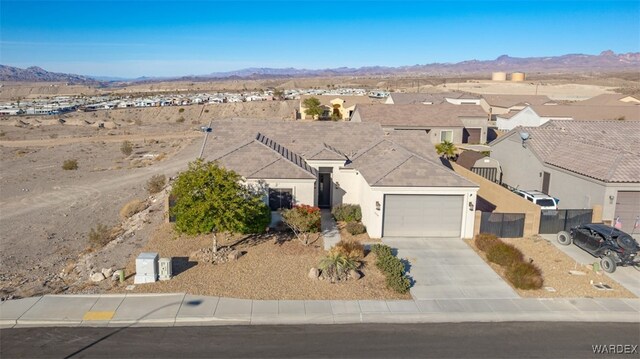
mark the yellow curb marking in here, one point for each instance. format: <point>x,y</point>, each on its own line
<point>98,315</point>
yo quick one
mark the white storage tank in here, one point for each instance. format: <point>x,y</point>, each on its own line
<point>517,76</point>
<point>146,268</point>
<point>499,76</point>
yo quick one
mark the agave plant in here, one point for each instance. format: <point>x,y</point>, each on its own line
<point>336,265</point>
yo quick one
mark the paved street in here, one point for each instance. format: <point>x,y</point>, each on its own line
<point>627,276</point>
<point>474,340</point>
<point>447,268</point>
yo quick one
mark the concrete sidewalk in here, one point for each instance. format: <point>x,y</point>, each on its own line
<point>121,310</point>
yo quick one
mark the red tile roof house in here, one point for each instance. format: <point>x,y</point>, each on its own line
<point>583,163</point>
<point>453,123</point>
<point>403,188</point>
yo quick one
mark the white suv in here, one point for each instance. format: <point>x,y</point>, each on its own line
<point>543,200</point>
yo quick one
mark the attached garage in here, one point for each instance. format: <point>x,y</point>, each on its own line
<point>471,135</point>
<point>628,208</point>
<point>422,215</point>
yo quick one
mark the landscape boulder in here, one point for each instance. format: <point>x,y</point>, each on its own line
<point>314,273</point>
<point>234,255</point>
<point>354,274</point>
<point>107,272</point>
<point>97,277</point>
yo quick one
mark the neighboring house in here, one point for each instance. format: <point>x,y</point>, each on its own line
<point>503,104</point>
<point>456,98</point>
<point>583,163</point>
<point>341,106</point>
<point>396,178</point>
<point>480,164</point>
<point>534,116</point>
<point>609,100</point>
<point>443,122</point>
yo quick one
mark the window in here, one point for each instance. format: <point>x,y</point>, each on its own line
<point>446,136</point>
<point>280,198</point>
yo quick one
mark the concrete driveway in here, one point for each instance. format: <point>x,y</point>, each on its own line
<point>447,268</point>
<point>628,277</point>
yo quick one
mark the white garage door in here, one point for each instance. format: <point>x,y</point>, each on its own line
<point>422,216</point>
<point>628,208</point>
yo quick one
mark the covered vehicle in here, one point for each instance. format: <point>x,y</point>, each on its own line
<point>611,245</point>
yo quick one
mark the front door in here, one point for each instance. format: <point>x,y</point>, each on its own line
<point>324,190</point>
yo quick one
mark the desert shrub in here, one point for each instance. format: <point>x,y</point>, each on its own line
<point>126,148</point>
<point>336,266</point>
<point>351,249</point>
<point>484,241</point>
<point>206,111</point>
<point>381,250</point>
<point>68,165</point>
<point>303,220</point>
<point>525,276</point>
<point>398,283</point>
<point>355,228</point>
<point>180,120</point>
<point>131,208</point>
<point>100,235</point>
<point>392,268</point>
<point>181,110</point>
<point>347,212</point>
<point>504,254</point>
<point>155,184</point>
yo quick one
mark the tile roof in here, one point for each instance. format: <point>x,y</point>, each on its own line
<point>604,150</point>
<point>417,115</point>
<point>387,164</point>
<point>514,100</point>
<point>280,149</point>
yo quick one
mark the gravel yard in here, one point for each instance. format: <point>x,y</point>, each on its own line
<point>267,270</point>
<point>555,267</point>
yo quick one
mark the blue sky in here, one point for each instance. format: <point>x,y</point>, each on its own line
<point>165,38</point>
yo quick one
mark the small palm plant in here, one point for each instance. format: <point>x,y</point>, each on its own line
<point>446,149</point>
<point>336,266</point>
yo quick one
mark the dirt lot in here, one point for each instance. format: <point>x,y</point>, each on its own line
<point>555,267</point>
<point>47,212</point>
<point>267,270</point>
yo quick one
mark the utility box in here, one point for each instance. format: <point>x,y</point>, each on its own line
<point>165,268</point>
<point>146,268</point>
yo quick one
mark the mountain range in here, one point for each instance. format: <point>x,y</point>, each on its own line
<point>606,61</point>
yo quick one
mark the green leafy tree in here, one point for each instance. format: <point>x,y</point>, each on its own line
<point>446,149</point>
<point>278,94</point>
<point>210,199</point>
<point>313,107</point>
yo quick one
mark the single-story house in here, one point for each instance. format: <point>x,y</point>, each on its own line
<point>402,187</point>
<point>503,104</point>
<point>583,163</point>
<point>534,116</point>
<point>342,106</point>
<point>443,122</point>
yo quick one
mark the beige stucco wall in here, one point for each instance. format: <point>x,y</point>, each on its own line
<point>504,200</point>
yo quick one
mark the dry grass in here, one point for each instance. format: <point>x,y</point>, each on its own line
<point>268,270</point>
<point>132,207</point>
<point>555,267</point>
<point>362,238</point>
